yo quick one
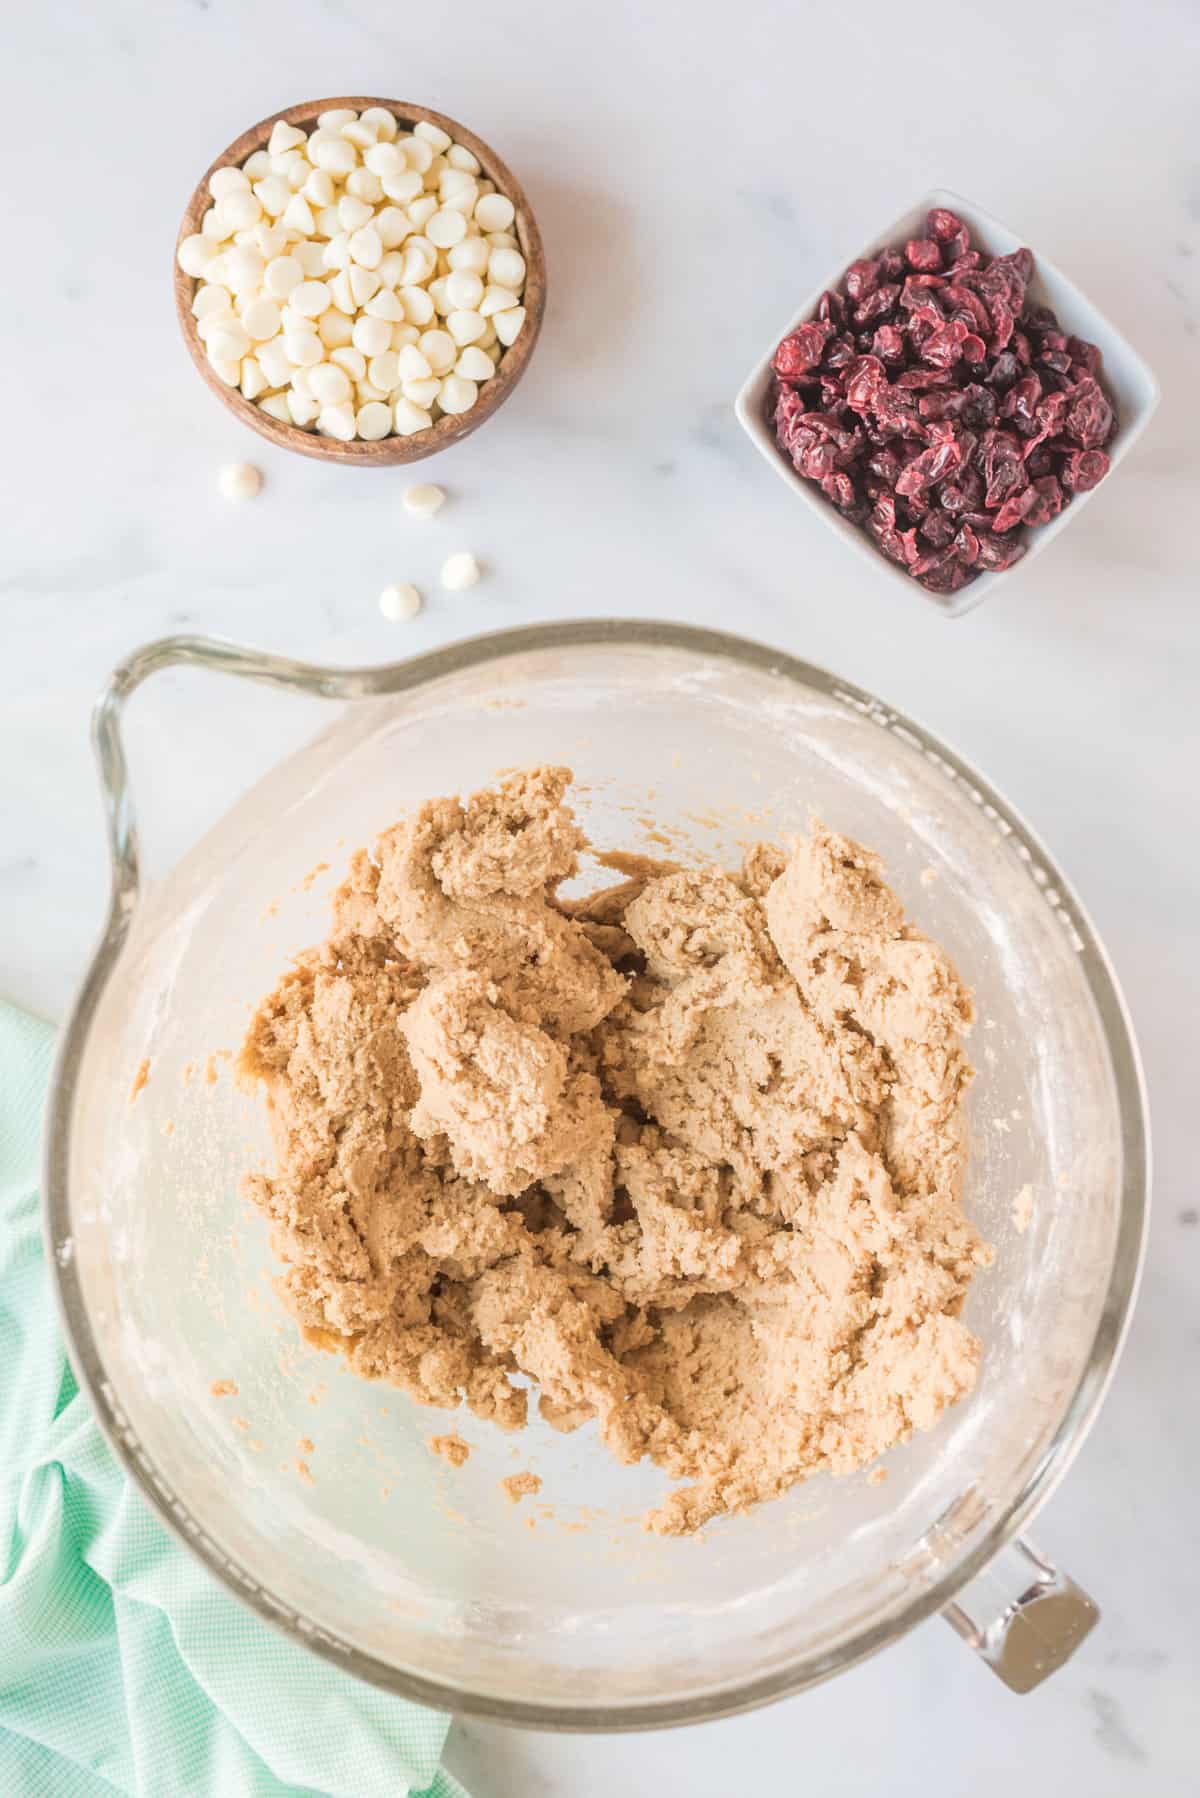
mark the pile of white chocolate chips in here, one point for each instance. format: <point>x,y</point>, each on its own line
<point>359,280</point>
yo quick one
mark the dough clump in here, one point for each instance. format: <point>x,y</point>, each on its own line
<point>688,1152</point>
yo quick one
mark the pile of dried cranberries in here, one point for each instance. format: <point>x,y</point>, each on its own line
<point>938,410</point>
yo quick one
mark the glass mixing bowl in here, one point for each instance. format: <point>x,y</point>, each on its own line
<point>313,1494</point>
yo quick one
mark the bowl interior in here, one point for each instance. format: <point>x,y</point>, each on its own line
<point>565,1609</point>
<point>1124,373</point>
<point>444,431</point>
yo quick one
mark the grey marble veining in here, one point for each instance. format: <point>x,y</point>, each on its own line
<point>694,168</point>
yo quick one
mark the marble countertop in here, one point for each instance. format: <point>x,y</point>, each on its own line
<point>694,169</point>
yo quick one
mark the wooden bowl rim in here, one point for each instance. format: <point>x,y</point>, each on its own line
<point>393,450</point>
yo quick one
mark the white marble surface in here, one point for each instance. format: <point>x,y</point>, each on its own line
<point>694,166</point>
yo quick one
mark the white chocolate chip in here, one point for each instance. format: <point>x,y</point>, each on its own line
<point>465,327</point>
<point>461,158</point>
<point>319,190</point>
<point>383,122</point>
<point>335,329</point>
<point>424,500</point>
<point>441,351</point>
<point>475,364</point>
<point>339,422</point>
<point>310,298</point>
<point>410,418</point>
<point>261,319</point>
<point>364,283</point>
<point>494,212</point>
<point>226,181</point>
<point>366,248</point>
<point>508,325</point>
<point>384,304</point>
<point>254,382</point>
<point>459,572</point>
<point>422,392</point>
<point>304,411</point>
<point>239,480</point>
<point>374,420</point>
<point>311,257</point>
<point>437,139</point>
<point>465,290</point>
<point>350,359</point>
<point>413,364</point>
<point>470,256</point>
<point>282,276</point>
<point>228,340</point>
<point>383,371</point>
<point>397,603</point>
<point>195,253</point>
<point>506,268</point>
<point>457,394</point>
<point>285,137</point>
<point>372,336</point>
<point>275,405</point>
<point>210,301</point>
<point>336,117</point>
<point>329,384</point>
<point>446,228</point>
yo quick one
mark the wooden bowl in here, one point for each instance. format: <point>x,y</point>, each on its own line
<point>386,451</point>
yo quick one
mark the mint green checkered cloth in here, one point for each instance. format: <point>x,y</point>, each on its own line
<point>124,1668</point>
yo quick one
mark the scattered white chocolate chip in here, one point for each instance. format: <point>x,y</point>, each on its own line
<point>377,259</point>
<point>239,480</point>
<point>423,501</point>
<point>459,572</point>
<point>399,602</point>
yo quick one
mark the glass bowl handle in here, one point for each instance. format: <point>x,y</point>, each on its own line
<point>217,656</point>
<point>1022,1616</point>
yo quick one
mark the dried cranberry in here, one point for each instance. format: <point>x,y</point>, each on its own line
<point>941,224</point>
<point>963,494</point>
<point>1001,466</point>
<point>918,290</point>
<point>966,542</point>
<point>802,350</point>
<point>1089,415</point>
<point>1085,356</point>
<point>877,304</point>
<point>979,405</point>
<point>922,253</point>
<point>789,409</point>
<point>997,553</point>
<point>942,458</point>
<point>1084,469</point>
<point>944,347</point>
<point>864,376</point>
<point>919,380</point>
<point>1003,322</point>
<point>860,279</point>
<point>1015,509</point>
<point>1020,402</point>
<point>937,528</point>
<point>1005,370</point>
<point>1048,419</point>
<point>840,489</point>
<point>1048,502</point>
<point>888,344</point>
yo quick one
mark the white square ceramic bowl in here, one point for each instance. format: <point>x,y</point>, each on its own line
<point>1125,376</point>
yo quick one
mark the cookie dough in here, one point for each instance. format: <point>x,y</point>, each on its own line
<point>687,1152</point>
